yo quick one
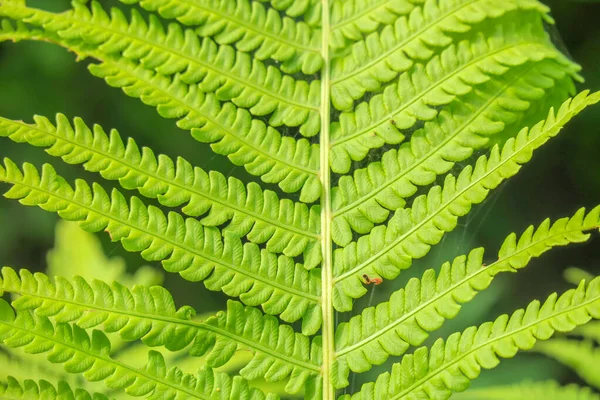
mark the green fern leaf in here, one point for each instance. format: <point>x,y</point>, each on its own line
<point>248,142</point>
<point>21,368</point>
<point>262,150</point>
<point>423,89</point>
<point>361,201</point>
<point>450,365</point>
<point>412,231</point>
<point>221,70</point>
<point>284,226</point>
<point>149,314</point>
<point>359,105</point>
<point>90,356</point>
<point>44,390</point>
<point>77,252</point>
<point>351,19</point>
<point>425,303</point>
<point>574,275</point>
<point>195,252</point>
<point>17,31</point>
<point>250,26</point>
<point>309,10</point>
<point>590,331</point>
<point>580,356</point>
<point>380,57</point>
<point>530,390</point>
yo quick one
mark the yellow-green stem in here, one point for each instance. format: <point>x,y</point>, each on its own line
<point>326,215</point>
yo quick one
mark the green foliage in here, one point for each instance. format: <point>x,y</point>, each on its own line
<point>30,390</point>
<point>449,365</point>
<point>374,127</point>
<point>285,226</point>
<point>149,314</point>
<point>581,356</point>
<point>531,390</point>
<point>411,313</point>
<point>90,356</point>
<point>77,252</point>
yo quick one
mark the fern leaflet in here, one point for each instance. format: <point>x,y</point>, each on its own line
<point>359,111</point>
<point>411,232</point>
<point>30,390</point>
<point>425,303</point>
<point>450,365</point>
<point>149,314</point>
<point>188,248</point>
<point>80,353</point>
<point>531,390</point>
<point>285,227</point>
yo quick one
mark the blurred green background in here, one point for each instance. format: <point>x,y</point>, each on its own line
<point>37,78</point>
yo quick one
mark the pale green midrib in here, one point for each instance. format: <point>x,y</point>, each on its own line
<point>131,370</point>
<point>432,86</point>
<point>455,285</point>
<point>359,15</point>
<point>215,260</point>
<point>423,159</point>
<point>108,61</point>
<point>506,335</point>
<point>251,27</point>
<point>394,48</point>
<point>328,327</point>
<point>71,18</point>
<point>459,193</point>
<point>169,183</point>
<point>175,321</point>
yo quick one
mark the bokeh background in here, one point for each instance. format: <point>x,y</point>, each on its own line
<point>37,78</point>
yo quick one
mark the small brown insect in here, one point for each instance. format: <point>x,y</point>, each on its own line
<point>392,122</point>
<point>375,281</point>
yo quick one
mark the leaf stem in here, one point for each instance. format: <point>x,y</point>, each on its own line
<point>326,215</point>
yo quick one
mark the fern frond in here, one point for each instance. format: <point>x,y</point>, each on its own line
<point>186,247</point>
<point>364,200</point>
<point>359,105</point>
<point>549,390</point>
<point>583,357</point>
<point>44,390</point>
<point>90,356</point>
<point>352,19</point>
<point>309,10</point>
<point>419,93</point>
<point>381,57</point>
<point>250,26</point>
<point>424,304</point>
<point>262,150</point>
<point>149,314</point>
<point>16,31</point>
<point>285,226</point>
<point>590,331</point>
<point>411,232</point>
<point>574,275</point>
<point>24,366</point>
<point>450,365</point>
<point>231,75</point>
<point>77,252</point>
